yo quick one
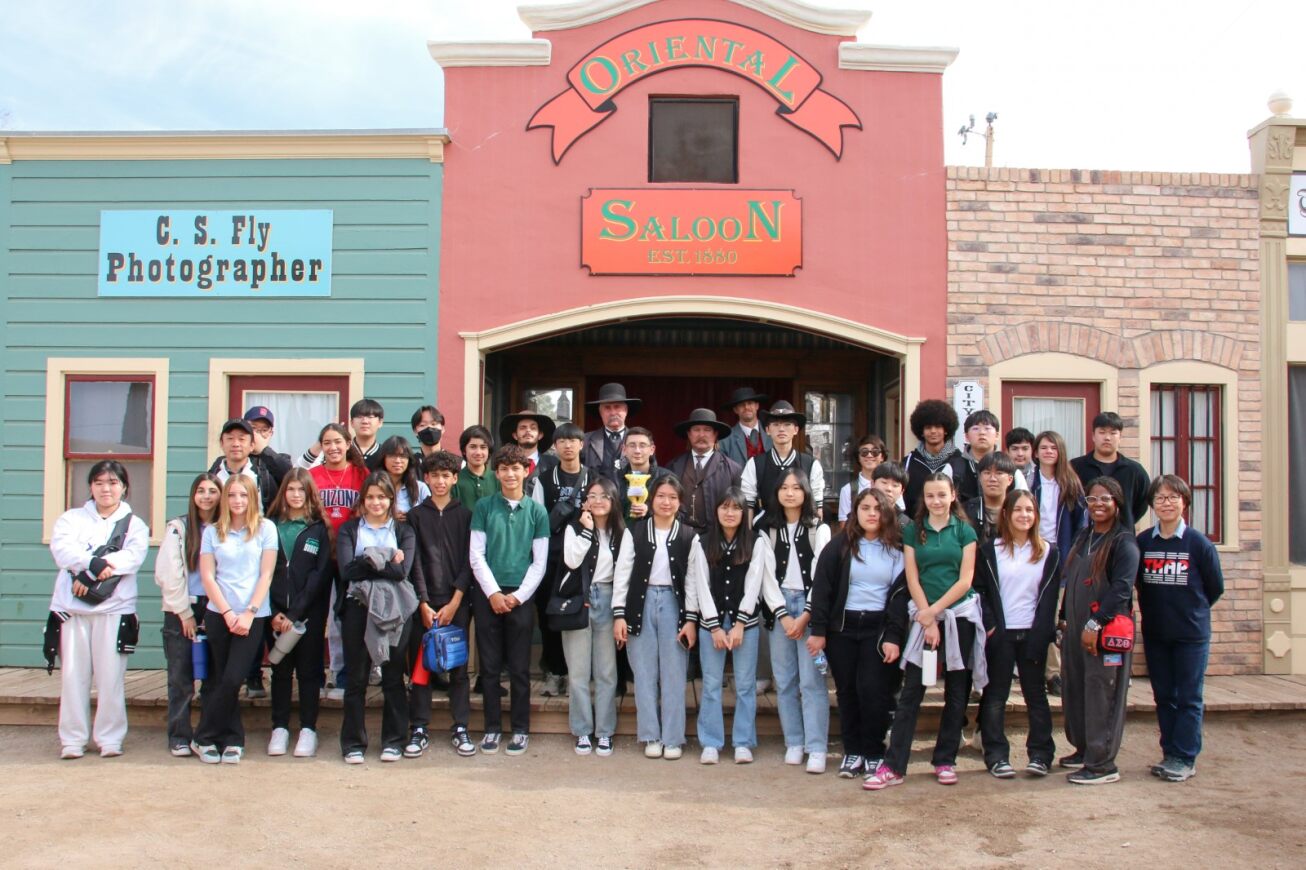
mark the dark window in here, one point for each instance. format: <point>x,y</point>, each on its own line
<point>693,140</point>
<point>1186,440</point>
<point>1297,464</point>
<point>1297,291</point>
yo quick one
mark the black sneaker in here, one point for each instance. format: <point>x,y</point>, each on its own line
<point>1037,767</point>
<point>517,745</point>
<point>603,747</point>
<point>417,743</point>
<point>851,766</point>
<point>1178,770</point>
<point>583,745</point>
<point>1054,686</point>
<point>1159,768</point>
<point>462,743</point>
<point>1002,770</point>
<point>490,743</point>
<point>254,688</point>
<point>1073,761</point>
<point>1083,776</point>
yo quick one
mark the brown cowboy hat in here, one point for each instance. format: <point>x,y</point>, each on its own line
<point>782,410</point>
<point>745,394</point>
<point>615,393</point>
<point>508,428</point>
<point>702,417</point>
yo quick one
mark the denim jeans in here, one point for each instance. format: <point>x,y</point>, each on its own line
<point>592,654</point>
<point>711,719</point>
<point>1177,670</point>
<point>660,665</point>
<point>800,688</point>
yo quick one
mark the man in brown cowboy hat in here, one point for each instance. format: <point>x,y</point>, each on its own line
<point>602,449</point>
<point>764,472</point>
<point>533,433</point>
<point>746,438</point>
<point>705,472</point>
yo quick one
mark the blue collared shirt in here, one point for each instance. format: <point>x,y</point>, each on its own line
<point>375,537</point>
<point>1178,532</point>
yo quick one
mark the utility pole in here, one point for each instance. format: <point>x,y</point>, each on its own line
<point>969,129</point>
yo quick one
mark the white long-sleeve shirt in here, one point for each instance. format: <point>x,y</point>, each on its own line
<point>764,550</point>
<point>530,581</point>
<point>698,595</point>
<point>76,536</point>
<point>575,549</point>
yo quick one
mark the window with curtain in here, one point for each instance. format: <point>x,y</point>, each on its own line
<point>1297,464</point>
<point>299,417</point>
<point>1065,416</point>
<point>1187,436</point>
<point>110,418</point>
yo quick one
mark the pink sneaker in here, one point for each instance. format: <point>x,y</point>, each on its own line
<point>946,774</point>
<point>882,778</point>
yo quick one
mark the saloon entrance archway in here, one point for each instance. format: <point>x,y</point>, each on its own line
<point>678,353</point>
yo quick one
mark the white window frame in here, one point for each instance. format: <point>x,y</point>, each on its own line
<point>55,483</point>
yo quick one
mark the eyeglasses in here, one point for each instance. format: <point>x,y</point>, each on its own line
<point>1167,499</point>
<point>1100,499</point>
<point>870,451</point>
<point>598,496</point>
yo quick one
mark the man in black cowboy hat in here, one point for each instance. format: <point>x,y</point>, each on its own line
<point>763,472</point>
<point>602,449</point>
<point>533,433</point>
<point>746,438</point>
<point>705,472</point>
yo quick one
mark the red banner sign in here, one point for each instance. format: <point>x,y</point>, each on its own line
<point>654,48</point>
<point>669,231</point>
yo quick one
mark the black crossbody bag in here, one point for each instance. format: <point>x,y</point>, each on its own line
<point>99,591</point>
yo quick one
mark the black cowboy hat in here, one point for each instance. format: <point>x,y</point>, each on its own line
<point>615,393</point>
<point>508,428</point>
<point>702,417</point>
<point>745,394</point>
<point>782,410</point>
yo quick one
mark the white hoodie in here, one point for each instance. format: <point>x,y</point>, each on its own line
<point>75,538</point>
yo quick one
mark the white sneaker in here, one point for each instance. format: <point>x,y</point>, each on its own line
<point>743,755</point>
<point>816,762</point>
<point>335,693</point>
<point>279,741</point>
<point>793,755</point>
<point>709,755</point>
<point>110,751</point>
<point>653,749</point>
<point>306,746</point>
<point>672,753</point>
<point>69,753</point>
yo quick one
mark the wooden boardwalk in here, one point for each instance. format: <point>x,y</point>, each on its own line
<point>29,696</point>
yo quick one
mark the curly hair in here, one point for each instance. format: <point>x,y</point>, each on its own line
<point>933,412</point>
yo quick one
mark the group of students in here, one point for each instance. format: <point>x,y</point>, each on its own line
<point>967,564</point>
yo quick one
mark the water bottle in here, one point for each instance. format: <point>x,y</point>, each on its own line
<point>286,641</point>
<point>199,657</point>
<point>822,666</point>
<point>929,666</point>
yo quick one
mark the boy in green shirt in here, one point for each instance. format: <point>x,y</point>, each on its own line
<point>475,481</point>
<point>509,551</point>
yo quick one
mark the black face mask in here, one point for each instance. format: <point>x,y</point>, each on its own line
<point>430,437</point>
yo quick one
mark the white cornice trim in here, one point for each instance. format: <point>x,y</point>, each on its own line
<point>564,16</point>
<point>895,58</point>
<point>241,145</point>
<point>533,52</point>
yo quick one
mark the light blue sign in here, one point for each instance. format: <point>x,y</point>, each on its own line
<point>215,253</point>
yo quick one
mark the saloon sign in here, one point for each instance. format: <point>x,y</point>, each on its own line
<point>637,54</point>
<point>691,232</point>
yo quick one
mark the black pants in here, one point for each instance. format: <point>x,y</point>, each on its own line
<point>358,666</point>
<point>1003,650</point>
<point>864,685</point>
<point>503,641</point>
<point>305,663</point>
<point>956,692</point>
<point>178,652</point>
<point>229,658</point>
<point>460,688</point>
<point>552,661</point>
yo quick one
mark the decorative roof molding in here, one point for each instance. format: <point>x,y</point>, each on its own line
<point>242,145</point>
<point>564,16</point>
<point>529,52</point>
<point>895,58</point>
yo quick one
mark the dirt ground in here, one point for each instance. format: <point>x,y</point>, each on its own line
<point>550,808</point>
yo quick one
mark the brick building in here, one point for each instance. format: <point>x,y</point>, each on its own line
<point>560,237</point>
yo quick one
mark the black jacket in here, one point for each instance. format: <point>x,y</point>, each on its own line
<point>830,591</point>
<point>727,581</point>
<point>989,586</point>
<point>1131,476</point>
<point>1117,593</point>
<point>300,583</point>
<point>358,568</point>
<point>442,563</point>
<point>984,530</point>
<point>918,473</point>
<point>623,486</point>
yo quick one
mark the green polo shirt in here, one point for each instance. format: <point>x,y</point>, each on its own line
<point>938,560</point>
<point>510,534</point>
<point>470,488</point>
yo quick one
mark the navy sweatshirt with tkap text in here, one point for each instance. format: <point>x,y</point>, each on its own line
<point>1179,578</point>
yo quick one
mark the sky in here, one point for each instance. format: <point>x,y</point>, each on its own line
<point>1146,84</point>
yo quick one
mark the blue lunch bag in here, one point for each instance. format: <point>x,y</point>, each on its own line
<point>444,648</point>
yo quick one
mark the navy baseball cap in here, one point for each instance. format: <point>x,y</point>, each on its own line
<point>260,412</point>
<point>242,425</point>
